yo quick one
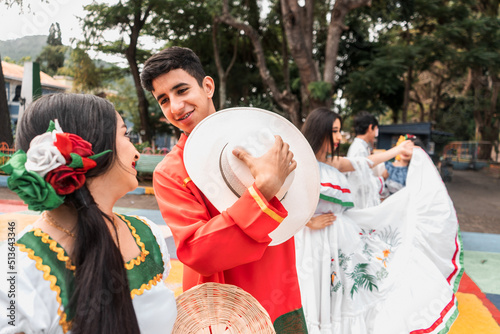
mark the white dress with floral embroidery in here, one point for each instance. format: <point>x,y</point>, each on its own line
<point>41,290</point>
<point>392,268</point>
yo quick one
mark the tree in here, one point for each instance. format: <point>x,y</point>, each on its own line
<point>299,23</point>
<point>86,75</point>
<point>407,68</point>
<point>284,98</point>
<point>476,41</point>
<point>130,18</point>
<point>304,27</point>
<point>483,62</point>
<point>52,56</point>
<point>222,72</point>
<point>54,37</point>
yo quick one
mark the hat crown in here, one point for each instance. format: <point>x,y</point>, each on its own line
<point>210,145</point>
<point>235,172</point>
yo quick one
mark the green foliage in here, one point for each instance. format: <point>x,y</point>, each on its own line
<point>377,85</point>
<point>382,43</point>
<point>7,59</point>
<point>457,117</point>
<point>55,37</point>
<point>51,58</point>
<point>320,90</point>
<point>86,75</point>
<point>343,148</point>
<point>125,102</point>
<point>141,146</point>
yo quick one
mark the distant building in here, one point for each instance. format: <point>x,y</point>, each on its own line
<point>13,75</point>
<point>389,135</point>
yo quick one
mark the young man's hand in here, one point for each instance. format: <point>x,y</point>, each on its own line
<point>271,169</point>
<point>406,148</point>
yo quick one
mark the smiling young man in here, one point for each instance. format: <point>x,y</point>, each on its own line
<point>230,246</point>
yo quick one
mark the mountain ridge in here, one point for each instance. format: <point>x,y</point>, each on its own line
<point>25,46</point>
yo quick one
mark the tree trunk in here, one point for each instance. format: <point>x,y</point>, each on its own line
<point>285,57</point>
<point>418,101</point>
<point>299,22</point>
<point>340,10</point>
<point>286,100</point>
<point>130,54</point>
<point>298,30</point>
<point>395,117</point>
<point>477,91</point>
<point>406,97</point>
<point>141,96</point>
<point>436,101</point>
<point>490,128</point>
<point>223,74</point>
<point>486,87</point>
<point>5,125</point>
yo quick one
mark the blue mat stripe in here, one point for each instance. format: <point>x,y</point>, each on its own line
<point>481,242</point>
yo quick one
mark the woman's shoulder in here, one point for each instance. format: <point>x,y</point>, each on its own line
<point>143,227</point>
<point>334,186</point>
<point>331,174</point>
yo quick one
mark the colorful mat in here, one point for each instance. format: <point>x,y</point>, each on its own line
<point>478,294</point>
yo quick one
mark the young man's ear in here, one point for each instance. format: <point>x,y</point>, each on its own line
<point>209,86</point>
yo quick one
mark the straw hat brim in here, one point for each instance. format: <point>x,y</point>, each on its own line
<point>207,140</point>
<point>220,308</point>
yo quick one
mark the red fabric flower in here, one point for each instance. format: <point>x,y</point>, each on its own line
<point>66,180</point>
<point>68,143</point>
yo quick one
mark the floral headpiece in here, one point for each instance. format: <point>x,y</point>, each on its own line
<point>402,139</point>
<point>54,166</point>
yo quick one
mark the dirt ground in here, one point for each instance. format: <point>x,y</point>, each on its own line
<point>475,194</point>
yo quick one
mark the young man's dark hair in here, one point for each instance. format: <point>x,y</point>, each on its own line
<point>170,59</point>
<point>362,122</point>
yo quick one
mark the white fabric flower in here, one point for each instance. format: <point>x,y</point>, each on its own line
<point>43,156</point>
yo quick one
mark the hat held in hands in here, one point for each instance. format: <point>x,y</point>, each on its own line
<point>223,178</point>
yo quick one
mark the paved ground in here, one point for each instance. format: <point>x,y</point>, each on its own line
<point>476,195</point>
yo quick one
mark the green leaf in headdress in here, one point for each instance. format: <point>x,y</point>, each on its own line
<point>52,126</point>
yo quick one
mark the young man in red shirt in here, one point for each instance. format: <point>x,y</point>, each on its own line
<point>230,246</point>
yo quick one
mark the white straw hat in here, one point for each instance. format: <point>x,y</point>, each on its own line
<point>223,178</point>
<point>216,308</point>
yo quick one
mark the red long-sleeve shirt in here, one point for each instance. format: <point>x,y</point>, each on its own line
<point>230,246</point>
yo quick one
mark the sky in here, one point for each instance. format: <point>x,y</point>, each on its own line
<point>36,17</point>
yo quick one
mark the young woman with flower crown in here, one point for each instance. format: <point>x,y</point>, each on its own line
<point>82,268</point>
<point>388,269</point>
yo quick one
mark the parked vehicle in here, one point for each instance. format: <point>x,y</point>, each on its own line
<point>466,154</point>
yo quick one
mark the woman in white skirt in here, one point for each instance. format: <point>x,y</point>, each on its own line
<point>393,268</point>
